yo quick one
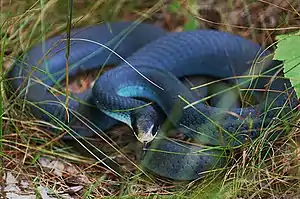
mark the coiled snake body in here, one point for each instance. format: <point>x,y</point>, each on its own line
<point>160,59</point>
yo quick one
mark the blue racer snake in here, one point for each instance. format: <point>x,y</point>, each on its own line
<point>159,59</point>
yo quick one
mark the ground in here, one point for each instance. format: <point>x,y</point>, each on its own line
<point>36,164</point>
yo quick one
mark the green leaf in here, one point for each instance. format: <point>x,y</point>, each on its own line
<point>288,51</point>
<point>191,24</point>
<point>174,6</point>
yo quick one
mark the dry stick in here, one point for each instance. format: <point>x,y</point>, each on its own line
<point>2,46</point>
<point>68,54</point>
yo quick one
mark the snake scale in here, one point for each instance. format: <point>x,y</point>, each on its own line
<point>160,60</point>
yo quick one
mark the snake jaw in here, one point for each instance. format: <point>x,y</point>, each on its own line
<point>145,124</point>
<point>146,137</point>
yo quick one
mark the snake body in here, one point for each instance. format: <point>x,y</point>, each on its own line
<point>46,63</point>
<point>164,58</point>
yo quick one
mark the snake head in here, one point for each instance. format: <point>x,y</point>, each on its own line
<point>145,124</point>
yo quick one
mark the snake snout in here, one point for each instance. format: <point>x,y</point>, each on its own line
<point>145,124</point>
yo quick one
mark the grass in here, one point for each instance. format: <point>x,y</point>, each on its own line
<point>253,172</point>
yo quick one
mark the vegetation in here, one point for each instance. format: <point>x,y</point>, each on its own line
<point>37,157</point>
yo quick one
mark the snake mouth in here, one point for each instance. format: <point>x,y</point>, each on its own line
<point>148,136</point>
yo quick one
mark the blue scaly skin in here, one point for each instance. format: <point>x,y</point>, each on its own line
<point>162,58</point>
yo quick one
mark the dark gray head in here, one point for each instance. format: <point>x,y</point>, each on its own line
<point>145,123</point>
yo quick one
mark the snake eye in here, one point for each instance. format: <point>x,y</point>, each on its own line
<point>145,126</point>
